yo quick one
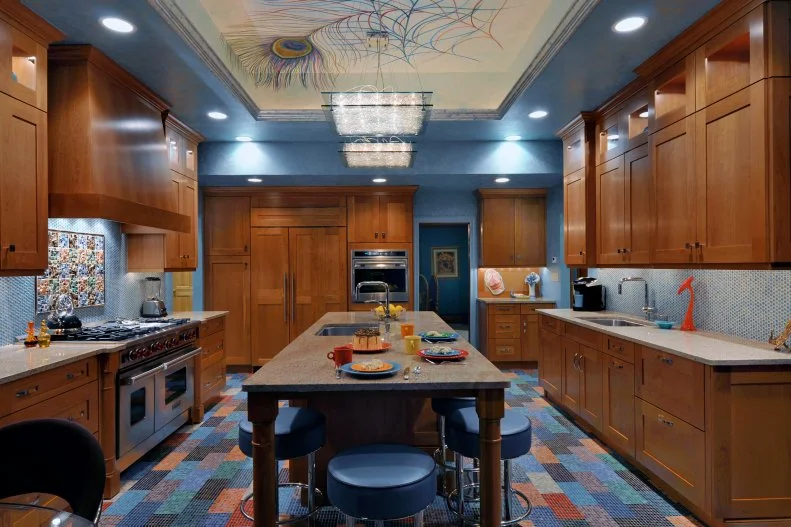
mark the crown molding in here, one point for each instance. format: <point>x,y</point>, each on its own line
<point>29,22</point>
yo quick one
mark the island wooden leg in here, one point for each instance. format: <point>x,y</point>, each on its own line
<point>262,412</point>
<point>491,408</point>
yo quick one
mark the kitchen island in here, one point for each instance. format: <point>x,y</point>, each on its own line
<point>362,411</point>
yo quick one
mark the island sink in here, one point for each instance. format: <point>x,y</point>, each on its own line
<point>343,330</point>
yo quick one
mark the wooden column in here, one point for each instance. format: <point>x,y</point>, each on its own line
<point>109,363</point>
<point>196,412</point>
<point>262,412</point>
<point>491,408</point>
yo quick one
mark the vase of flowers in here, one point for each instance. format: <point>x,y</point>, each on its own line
<point>531,280</point>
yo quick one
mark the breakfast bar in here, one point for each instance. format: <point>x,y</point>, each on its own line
<point>362,411</point>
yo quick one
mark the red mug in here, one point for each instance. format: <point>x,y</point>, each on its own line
<point>341,355</point>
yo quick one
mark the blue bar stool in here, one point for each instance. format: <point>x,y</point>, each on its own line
<point>381,482</point>
<point>443,407</point>
<point>298,432</point>
<point>463,436</point>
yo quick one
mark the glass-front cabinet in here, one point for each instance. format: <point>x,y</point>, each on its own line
<point>23,67</point>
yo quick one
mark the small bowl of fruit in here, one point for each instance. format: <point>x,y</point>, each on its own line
<point>396,312</point>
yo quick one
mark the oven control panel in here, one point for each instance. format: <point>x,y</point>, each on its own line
<point>142,351</point>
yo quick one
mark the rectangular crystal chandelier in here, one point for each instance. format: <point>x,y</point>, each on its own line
<point>378,154</point>
<point>377,113</point>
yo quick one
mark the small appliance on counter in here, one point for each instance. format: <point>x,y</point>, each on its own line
<point>589,295</point>
<point>153,305</point>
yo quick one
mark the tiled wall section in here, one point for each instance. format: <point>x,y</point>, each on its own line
<point>124,291</point>
<point>746,304</point>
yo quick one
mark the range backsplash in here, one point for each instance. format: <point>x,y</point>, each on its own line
<point>747,304</point>
<point>123,291</point>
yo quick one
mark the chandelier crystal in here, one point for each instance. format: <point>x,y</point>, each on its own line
<point>373,113</point>
<point>378,153</point>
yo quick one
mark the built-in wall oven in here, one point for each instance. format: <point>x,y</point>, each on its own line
<point>154,398</point>
<point>380,265</point>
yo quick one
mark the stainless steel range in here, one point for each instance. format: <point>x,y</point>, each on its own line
<point>156,380</point>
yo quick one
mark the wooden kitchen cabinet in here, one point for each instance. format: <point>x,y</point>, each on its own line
<point>611,140</point>
<point>634,118</point>
<point>23,59</point>
<point>575,227</point>
<point>618,404</point>
<point>509,332</point>
<point>227,284</point>
<point>385,218</point>
<point>210,367</point>
<point>591,391</point>
<point>550,363</point>
<point>570,385</point>
<point>611,207</point>
<point>226,225</point>
<point>182,144</point>
<point>673,94</point>
<point>270,295</point>
<point>513,227</point>
<point>530,338</point>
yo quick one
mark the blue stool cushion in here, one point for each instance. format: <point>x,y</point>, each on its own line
<point>463,433</point>
<point>447,405</point>
<point>298,432</point>
<point>381,482</point>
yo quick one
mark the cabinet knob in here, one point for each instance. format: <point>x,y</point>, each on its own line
<point>619,251</point>
<point>376,235</point>
<point>662,419</point>
<point>617,366</point>
<point>666,360</point>
<point>625,251</point>
<point>12,248</point>
<point>245,248</point>
<point>383,235</point>
<point>688,245</point>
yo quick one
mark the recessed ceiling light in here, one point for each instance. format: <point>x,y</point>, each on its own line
<point>502,180</point>
<point>627,25</point>
<point>612,137</point>
<point>380,180</point>
<point>538,114</point>
<point>513,137</point>
<point>217,115</point>
<point>644,114</point>
<point>119,25</point>
<point>244,138</point>
<point>254,180</point>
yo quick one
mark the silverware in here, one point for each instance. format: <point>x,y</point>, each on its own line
<point>337,373</point>
<point>406,373</point>
<point>416,370</point>
<point>446,362</point>
<point>431,361</point>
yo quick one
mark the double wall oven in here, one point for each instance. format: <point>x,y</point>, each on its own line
<point>389,266</point>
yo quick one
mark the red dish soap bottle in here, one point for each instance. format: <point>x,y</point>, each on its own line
<point>689,322</point>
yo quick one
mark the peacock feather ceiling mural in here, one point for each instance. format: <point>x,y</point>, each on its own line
<point>277,56</point>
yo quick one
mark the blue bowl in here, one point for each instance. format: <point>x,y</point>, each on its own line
<point>664,324</point>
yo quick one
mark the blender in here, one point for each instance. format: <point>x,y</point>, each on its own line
<point>153,305</point>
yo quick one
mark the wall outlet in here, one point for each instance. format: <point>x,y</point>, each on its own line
<point>554,259</point>
<point>554,276</point>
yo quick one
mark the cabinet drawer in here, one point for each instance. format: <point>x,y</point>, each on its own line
<point>213,379</point>
<point>504,326</point>
<point>672,383</point>
<point>583,335</point>
<point>622,349</point>
<point>529,309</point>
<point>551,324</point>
<point>672,449</point>
<point>22,393</point>
<point>213,348</point>
<point>503,309</point>
<point>212,326</point>
<point>80,405</point>
<point>504,350</point>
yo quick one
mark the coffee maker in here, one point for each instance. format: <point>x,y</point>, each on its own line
<point>589,295</point>
<point>153,305</point>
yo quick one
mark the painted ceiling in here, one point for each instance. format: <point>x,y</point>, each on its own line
<point>279,55</point>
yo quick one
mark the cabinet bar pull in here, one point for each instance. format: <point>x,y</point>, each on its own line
<point>581,363</point>
<point>664,421</point>
<point>285,297</point>
<point>293,297</point>
<point>28,392</point>
<point>617,366</point>
<point>666,360</point>
<point>576,364</point>
<point>71,376</point>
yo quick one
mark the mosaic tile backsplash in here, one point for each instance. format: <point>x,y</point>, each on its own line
<point>123,291</point>
<point>747,304</point>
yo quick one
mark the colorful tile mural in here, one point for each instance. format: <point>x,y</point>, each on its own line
<point>76,268</point>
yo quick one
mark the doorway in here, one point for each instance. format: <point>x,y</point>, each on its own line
<point>444,252</point>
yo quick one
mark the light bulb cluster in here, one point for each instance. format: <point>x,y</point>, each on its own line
<point>378,153</point>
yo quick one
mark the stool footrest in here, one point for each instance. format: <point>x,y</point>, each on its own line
<point>454,509</point>
<point>304,486</point>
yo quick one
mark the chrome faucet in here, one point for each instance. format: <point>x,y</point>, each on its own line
<point>387,299</point>
<point>647,310</point>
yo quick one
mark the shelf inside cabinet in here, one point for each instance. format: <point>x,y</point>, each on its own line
<point>638,122</point>
<point>23,67</point>
<point>671,96</point>
<point>730,64</point>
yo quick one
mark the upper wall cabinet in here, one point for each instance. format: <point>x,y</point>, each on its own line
<point>513,228</point>
<point>579,190</point>
<point>611,140</point>
<point>673,95</point>
<point>380,217</point>
<point>23,66</point>
<point>226,225</point>
<point>634,120</point>
<point>182,145</point>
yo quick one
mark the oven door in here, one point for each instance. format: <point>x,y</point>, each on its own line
<point>395,273</point>
<point>136,407</point>
<point>175,385</point>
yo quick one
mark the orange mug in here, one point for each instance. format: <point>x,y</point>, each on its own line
<point>341,355</point>
<point>407,329</point>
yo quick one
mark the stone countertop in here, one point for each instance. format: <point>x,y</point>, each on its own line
<point>17,361</point>
<point>714,349</point>
<point>509,300</point>
<point>303,366</point>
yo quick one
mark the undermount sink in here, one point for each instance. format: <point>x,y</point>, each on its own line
<point>343,330</point>
<point>615,322</point>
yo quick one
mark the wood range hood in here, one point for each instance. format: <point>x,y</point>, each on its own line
<point>107,153</point>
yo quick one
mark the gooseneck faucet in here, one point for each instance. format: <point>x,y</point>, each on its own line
<point>387,299</point>
<point>646,309</point>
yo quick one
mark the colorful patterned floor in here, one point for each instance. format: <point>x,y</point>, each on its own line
<point>198,476</point>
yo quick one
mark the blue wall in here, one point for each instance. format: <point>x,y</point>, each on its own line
<point>454,293</point>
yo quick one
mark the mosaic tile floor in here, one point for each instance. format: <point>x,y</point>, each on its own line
<point>198,476</point>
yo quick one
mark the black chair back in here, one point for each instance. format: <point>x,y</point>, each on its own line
<point>53,456</point>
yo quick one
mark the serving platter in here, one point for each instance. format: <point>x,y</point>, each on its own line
<point>349,369</point>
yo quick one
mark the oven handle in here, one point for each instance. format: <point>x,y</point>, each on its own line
<point>134,379</point>
<point>183,358</point>
<point>380,265</point>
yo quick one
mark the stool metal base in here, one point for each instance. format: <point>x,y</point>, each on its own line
<point>417,520</point>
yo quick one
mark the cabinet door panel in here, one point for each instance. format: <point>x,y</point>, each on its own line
<point>570,396</point>
<point>395,219</point>
<point>228,289</point>
<point>639,205</point>
<point>574,153</point>
<point>188,205</point>
<point>550,364</point>
<point>731,177</point>
<point>504,350</point>
<point>23,186</point>
<point>618,403</point>
<point>227,225</point>
<point>173,254</point>
<point>574,214</point>
<point>611,209</point>
<point>530,232</point>
<point>363,218</point>
<point>497,240</point>
<point>269,293</point>
<point>590,365</point>
<point>530,338</point>
<point>673,167</point>
<point>175,145</point>
<point>23,67</point>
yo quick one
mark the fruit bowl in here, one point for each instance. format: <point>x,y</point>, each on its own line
<point>396,312</point>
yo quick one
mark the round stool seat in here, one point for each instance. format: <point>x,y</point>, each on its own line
<point>298,432</point>
<point>445,406</point>
<point>463,433</point>
<point>381,482</point>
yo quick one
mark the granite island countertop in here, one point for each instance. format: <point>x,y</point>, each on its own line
<point>714,349</point>
<point>17,361</point>
<point>509,300</point>
<point>303,366</point>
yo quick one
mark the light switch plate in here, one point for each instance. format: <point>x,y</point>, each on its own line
<point>554,259</point>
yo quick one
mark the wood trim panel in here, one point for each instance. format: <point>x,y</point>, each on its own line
<point>529,309</point>
<point>109,364</point>
<point>779,137</point>
<point>116,209</point>
<point>338,191</point>
<point>484,193</point>
<point>298,217</point>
